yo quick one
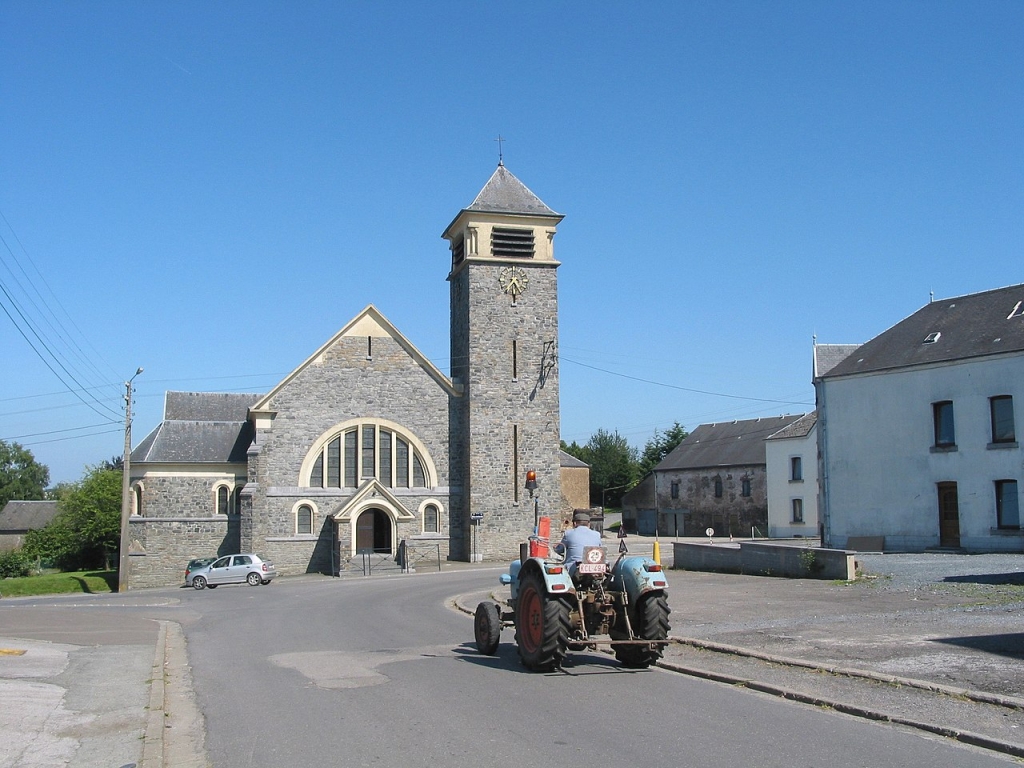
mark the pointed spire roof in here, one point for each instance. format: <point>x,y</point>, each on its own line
<point>504,193</point>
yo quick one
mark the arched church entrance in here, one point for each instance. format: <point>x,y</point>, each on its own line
<point>373,532</point>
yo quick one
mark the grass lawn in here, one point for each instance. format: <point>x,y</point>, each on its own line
<point>80,582</point>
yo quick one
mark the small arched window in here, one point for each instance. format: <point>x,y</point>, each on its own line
<point>718,487</point>
<point>304,520</point>
<point>430,519</point>
<point>222,500</point>
<point>138,500</point>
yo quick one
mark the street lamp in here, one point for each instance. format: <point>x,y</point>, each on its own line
<point>126,466</point>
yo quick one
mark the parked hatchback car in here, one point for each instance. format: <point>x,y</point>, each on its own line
<point>231,569</point>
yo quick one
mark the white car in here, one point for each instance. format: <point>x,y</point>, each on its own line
<point>231,569</point>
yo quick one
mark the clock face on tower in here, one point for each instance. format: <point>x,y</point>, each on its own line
<point>513,280</point>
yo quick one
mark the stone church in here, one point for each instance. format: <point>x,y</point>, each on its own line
<point>367,445</point>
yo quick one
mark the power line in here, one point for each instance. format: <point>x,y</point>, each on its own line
<point>74,437</point>
<point>682,389</point>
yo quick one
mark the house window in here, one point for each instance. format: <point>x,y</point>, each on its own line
<point>304,520</point>
<point>942,414</point>
<point>796,468</point>
<point>222,500</point>
<point>1007,504</point>
<point>718,487</point>
<point>1002,419</point>
<point>430,519</point>
<point>798,510</point>
<point>675,489</point>
<point>745,487</point>
<point>364,451</point>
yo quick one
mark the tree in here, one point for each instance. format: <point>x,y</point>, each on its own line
<point>661,445</point>
<point>613,466</point>
<point>21,476</point>
<point>86,532</point>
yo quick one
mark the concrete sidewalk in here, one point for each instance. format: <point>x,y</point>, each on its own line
<point>102,691</point>
<point>929,641</point>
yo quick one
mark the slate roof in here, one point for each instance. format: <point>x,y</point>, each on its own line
<point>18,516</point>
<point>800,428</point>
<point>568,460</point>
<point>964,327</point>
<point>200,428</point>
<point>734,443</point>
<point>504,193</point>
<point>828,356</point>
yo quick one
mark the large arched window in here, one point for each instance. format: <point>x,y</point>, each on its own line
<point>362,451</point>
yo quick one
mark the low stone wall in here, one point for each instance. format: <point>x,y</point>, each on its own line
<point>763,559</point>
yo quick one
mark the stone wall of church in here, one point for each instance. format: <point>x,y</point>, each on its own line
<point>184,495</point>
<point>167,545</point>
<point>509,420</point>
<point>355,378</point>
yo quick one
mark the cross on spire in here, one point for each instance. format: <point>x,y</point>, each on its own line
<point>500,156</point>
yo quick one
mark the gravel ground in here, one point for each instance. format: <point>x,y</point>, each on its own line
<point>915,571</point>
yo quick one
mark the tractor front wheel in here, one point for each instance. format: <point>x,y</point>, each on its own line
<point>650,622</point>
<point>542,626</point>
<point>487,628</point>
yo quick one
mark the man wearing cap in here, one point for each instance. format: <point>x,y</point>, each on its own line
<point>576,539</point>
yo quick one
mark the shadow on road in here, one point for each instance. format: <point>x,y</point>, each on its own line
<point>1011,645</point>
<point>1014,578</point>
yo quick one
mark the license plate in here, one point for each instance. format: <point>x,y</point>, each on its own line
<point>590,568</point>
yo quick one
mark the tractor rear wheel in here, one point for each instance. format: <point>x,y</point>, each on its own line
<point>650,622</point>
<point>487,628</point>
<point>542,626</point>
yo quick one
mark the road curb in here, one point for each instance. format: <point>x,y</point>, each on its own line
<point>153,743</point>
<point>966,737</point>
<point>981,697</point>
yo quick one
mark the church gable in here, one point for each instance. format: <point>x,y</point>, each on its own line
<point>368,335</point>
<point>366,371</point>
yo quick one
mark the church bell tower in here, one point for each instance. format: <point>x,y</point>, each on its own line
<point>504,421</point>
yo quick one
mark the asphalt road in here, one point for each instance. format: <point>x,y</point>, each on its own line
<point>381,671</point>
<point>363,672</point>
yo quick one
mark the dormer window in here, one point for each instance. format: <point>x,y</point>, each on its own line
<point>509,241</point>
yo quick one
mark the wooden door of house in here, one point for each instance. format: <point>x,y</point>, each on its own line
<point>949,516</point>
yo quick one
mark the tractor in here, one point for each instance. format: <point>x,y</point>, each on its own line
<point>622,605</point>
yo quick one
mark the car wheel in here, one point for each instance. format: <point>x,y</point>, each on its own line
<point>253,579</point>
<point>198,583</point>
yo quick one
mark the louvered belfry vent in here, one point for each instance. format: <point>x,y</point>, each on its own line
<point>458,251</point>
<point>507,241</point>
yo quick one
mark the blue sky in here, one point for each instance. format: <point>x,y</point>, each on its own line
<point>211,190</point>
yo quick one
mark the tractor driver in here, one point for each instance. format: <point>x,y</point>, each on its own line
<point>576,539</point>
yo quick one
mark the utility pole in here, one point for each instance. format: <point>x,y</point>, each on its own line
<point>126,466</point>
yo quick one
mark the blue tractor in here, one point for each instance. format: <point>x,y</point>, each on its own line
<point>622,605</point>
